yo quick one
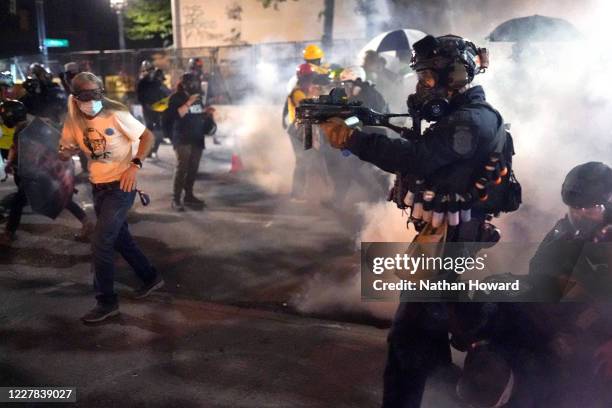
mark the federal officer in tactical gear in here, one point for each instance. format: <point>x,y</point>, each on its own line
<point>453,177</point>
<point>572,267</point>
<point>563,264</point>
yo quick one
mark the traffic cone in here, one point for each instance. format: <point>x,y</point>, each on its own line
<point>236,164</point>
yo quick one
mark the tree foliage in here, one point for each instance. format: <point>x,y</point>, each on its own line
<point>148,19</point>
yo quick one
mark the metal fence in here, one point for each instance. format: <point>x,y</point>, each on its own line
<point>230,66</point>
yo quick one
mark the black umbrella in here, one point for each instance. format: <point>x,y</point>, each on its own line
<point>48,182</point>
<point>534,28</point>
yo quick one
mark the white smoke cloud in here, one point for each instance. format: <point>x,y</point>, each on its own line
<point>558,102</point>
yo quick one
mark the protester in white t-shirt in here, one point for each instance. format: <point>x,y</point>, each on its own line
<point>105,131</point>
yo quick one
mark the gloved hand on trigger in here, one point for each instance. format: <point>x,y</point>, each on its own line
<point>337,132</point>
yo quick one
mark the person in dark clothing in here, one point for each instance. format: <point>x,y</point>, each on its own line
<point>14,113</point>
<point>307,86</point>
<point>466,134</point>
<point>149,91</point>
<point>562,265</point>
<point>189,120</point>
<point>44,98</point>
<point>214,89</point>
<point>71,69</point>
<point>570,271</point>
<point>353,79</point>
<point>343,166</point>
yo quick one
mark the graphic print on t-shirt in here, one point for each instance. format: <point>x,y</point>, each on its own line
<point>196,108</point>
<point>96,143</point>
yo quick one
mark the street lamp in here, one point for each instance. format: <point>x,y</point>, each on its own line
<point>119,6</point>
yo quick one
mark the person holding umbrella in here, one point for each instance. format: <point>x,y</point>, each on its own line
<point>105,130</point>
<point>14,116</point>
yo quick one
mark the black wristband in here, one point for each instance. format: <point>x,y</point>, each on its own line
<point>137,162</point>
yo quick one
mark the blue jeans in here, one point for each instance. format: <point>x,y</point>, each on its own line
<point>112,234</point>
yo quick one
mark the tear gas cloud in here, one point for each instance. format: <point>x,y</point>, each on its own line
<point>557,100</point>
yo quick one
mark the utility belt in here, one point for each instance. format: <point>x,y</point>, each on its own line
<point>493,189</point>
<point>428,204</point>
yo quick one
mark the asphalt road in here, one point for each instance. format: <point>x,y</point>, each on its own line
<point>226,330</point>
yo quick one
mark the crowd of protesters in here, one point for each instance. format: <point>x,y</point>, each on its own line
<point>103,133</point>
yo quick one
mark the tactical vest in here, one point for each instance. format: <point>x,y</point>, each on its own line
<point>454,192</point>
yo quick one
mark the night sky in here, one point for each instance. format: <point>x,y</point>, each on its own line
<point>87,24</point>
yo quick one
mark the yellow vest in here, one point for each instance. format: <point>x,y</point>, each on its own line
<point>320,69</point>
<point>6,137</point>
<point>293,100</point>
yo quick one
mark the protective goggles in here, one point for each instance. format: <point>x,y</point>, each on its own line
<point>583,217</point>
<point>89,95</point>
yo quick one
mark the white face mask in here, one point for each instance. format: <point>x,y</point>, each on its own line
<point>90,108</point>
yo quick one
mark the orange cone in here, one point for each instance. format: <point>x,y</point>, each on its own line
<point>236,164</point>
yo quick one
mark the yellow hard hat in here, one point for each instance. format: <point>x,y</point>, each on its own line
<point>313,52</point>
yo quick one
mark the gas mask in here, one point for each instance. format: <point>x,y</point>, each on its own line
<point>430,101</point>
<point>444,64</point>
<point>9,122</point>
<point>193,87</point>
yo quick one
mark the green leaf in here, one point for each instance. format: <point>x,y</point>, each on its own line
<point>147,19</point>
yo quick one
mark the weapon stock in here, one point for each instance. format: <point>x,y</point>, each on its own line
<point>318,110</point>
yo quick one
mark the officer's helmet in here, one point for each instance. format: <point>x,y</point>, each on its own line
<point>195,64</point>
<point>587,185</point>
<point>6,79</point>
<point>587,191</point>
<point>12,112</point>
<point>40,72</point>
<point>454,60</point>
<point>146,66</point>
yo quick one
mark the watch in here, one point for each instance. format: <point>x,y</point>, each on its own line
<point>137,162</point>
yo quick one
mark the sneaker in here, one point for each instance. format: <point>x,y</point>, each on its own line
<point>146,289</point>
<point>193,201</point>
<point>100,313</point>
<point>86,230</point>
<point>177,206</point>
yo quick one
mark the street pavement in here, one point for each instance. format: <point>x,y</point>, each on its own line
<point>223,332</point>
